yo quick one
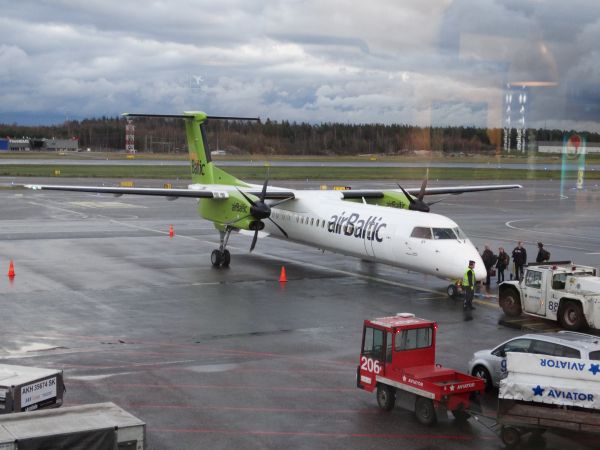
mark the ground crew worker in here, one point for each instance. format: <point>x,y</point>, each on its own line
<point>468,285</point>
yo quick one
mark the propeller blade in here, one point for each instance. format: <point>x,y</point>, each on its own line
<point>415,205</point>
<point>280,229</point>
<point>423,186</point>
<point>254,239</point>
<point>408,196</point>
<point>263,194</point>
<point>248,199</point>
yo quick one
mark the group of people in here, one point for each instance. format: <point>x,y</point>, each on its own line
<point>499,263</point>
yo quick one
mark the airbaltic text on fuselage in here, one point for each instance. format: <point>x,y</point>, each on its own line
<point>354,225</point>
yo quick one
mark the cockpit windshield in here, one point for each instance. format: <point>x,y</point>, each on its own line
<point>437,233</point>
<point>443,233</point>
<point>460,234</point>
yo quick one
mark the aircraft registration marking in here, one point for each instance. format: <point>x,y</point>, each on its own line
<point>106,205</point>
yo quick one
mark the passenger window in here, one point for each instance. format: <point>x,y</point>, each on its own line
<point>518,345</point>
<point>421,233</point>
<point>545,348</point>
<point>533,279</point>
<point>413,339</point>
<point>567,352</point>
<point>595,355</point>
<point>388,347</point>
<point>373,343</point>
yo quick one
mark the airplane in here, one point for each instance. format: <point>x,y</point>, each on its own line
<point>390,226</point>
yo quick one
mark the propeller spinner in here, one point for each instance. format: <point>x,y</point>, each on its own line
<point>260,211</point>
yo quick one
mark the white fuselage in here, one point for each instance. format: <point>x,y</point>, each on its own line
<point>320,219</point>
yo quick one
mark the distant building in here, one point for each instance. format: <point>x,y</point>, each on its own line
<point>61,144</point>
<point>557,147</point>
<point>19,145</point>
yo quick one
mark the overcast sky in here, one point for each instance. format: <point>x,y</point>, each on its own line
<point>427,62</point>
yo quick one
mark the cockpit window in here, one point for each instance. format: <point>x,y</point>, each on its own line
<point>460,234</point>
<point>443,233</point>
<point>421,233</point>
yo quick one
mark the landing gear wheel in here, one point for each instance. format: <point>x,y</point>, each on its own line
<point>226,258</point>
<point>461,416</point>
<point>510,436</point>
<point>571,316</point>
<point>484,374</point>
<point>510,304</point>
<point>425,411</point>
<point>452,291</point>
<point>386,397</point>
<point>216,258</point>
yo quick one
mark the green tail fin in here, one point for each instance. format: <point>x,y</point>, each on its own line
<point>203,169</point>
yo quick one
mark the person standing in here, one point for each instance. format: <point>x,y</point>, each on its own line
<point>488,261</point>
<point>519,255</point>
<point>502,264</point>
<point>543,254</point>
<point>468,285</point>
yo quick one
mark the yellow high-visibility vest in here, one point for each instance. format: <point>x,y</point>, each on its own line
<point>466,278</point>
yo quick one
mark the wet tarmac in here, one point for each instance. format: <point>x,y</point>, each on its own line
<point>233,358</point>
<point>569,164</point>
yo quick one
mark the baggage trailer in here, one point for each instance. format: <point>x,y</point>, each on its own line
<point>25,388</point>
<point>99,426</point>
<point>398,360</point>
<point>548,393</point>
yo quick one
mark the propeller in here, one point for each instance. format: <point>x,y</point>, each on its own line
<point>418,204</point>
<point>260,211</point>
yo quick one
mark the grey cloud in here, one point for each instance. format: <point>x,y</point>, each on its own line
<point>384,61</point>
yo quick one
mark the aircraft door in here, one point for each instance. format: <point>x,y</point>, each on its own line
<point>374,235</point>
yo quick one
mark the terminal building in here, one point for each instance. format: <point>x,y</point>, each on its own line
<point>558,147</point>
<point>26,144</point>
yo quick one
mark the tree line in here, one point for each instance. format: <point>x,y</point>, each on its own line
<point>283,137</point>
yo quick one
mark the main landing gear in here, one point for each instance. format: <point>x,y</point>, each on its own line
<point>221,257</point>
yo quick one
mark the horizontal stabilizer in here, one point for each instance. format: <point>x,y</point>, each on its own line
<point>189,116</point>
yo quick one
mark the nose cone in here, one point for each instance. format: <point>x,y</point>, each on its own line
<point>480,272</point>
<point>473,255</point>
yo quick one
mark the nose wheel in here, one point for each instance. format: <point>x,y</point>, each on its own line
<point>221,256</point>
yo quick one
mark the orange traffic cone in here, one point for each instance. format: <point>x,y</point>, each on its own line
<point>282,276</point>
<point>11,270</point>
<point>171,231</point>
